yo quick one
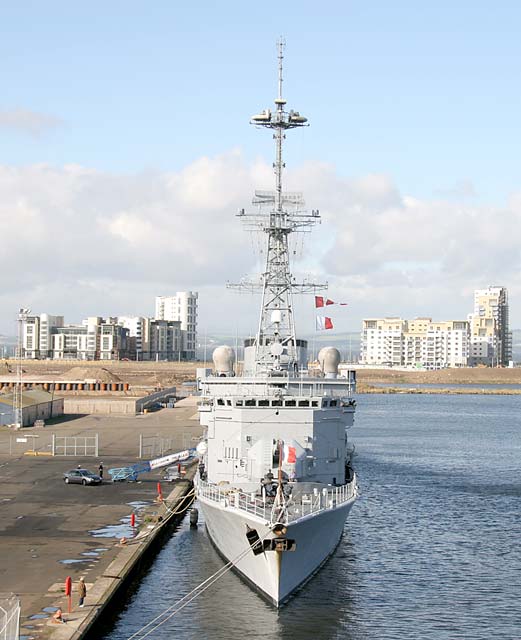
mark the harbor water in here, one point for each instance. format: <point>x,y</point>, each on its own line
<point>431,550</point>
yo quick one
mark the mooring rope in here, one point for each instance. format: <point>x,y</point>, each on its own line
<point>192,595</point>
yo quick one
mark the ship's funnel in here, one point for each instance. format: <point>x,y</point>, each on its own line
<point>329,359</point>
<point>223,359</point>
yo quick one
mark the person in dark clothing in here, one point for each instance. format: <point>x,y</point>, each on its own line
<point>100,470</point>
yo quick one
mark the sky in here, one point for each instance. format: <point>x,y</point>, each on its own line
<point>125,153</point>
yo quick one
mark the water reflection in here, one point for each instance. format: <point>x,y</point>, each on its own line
<point>430,551</point>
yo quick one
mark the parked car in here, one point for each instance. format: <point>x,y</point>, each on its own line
<point>81,476</point>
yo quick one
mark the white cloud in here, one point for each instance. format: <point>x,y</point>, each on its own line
<point>26,121</point>
<point>462,190</point>
<point>80,242</point>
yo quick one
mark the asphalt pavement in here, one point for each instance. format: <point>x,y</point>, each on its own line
<point>46,525</point>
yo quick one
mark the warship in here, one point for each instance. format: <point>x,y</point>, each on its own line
<point>276,481</point>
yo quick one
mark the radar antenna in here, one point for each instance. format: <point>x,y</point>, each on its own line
<point>275,341</point>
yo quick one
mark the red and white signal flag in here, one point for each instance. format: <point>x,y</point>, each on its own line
<point>325,302</point>
<point>290,454</point>
<point>324,323</point>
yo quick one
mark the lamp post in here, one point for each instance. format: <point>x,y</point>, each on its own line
<point>18,390</point>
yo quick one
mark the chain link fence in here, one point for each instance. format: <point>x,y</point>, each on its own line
<point>84,446</point>
<point>49,445</point>
<point>19,443</point>
<point>151,447</point>
<point>9,616</point>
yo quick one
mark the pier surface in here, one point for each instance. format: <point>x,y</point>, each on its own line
<point>46,526</point>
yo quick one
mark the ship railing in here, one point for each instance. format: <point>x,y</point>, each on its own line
<point>316,501</point>
<point>296,388</point>
<point>298,506</point>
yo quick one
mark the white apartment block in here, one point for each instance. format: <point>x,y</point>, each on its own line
<point>382,341</point>
<point>182,308</point>
<point>490,339</point>
<point>419,342</point>
<point>170,337</point>
<point>94,339</point>
<point>37,335</point>
<point>71,343</point>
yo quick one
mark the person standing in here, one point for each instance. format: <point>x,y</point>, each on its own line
<point>100,470</point>
<point>82,590</point>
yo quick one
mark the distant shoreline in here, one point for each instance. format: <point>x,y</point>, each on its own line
<point>166,374</point>
<point>369,389</point>
<point>383,381</point>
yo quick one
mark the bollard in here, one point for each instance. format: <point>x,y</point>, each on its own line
<point>68,592</point>
<point>159,492</point>
<point>132,519</point>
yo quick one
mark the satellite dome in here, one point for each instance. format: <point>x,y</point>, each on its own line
<point>202,448</point>
<point>223,359</point>
<point>329,359</point>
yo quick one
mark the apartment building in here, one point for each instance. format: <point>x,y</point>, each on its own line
<point>383,341</point>
<point>153,339</point>
<point>166,340</point>
<point>444,344</point>
<point>418,342</point>
<point>171,335</point>
<point>181,308</point>
<point>37,334</point>
<point>31,337</point>
<point>138,335</point>
<point>490,338</point>
<point>94,339</point>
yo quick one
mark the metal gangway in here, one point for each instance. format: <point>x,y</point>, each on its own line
<point>131,473</point>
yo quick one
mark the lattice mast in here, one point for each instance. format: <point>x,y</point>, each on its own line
<point>276,321</point>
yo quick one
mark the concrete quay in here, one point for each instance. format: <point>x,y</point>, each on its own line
<point>82,623</point>
<point>48,530</point>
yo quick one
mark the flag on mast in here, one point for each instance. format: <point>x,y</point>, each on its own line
<point>290,454</point>
<point>324,323</point>
<point>325,302</point>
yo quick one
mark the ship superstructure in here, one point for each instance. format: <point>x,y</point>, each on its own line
<point>275,479</point>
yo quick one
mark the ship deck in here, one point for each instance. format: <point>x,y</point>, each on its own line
<point>306,499</point>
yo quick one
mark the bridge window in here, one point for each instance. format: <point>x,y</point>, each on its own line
<point>303,403</point>
<point>276,403</point>
<point>229,403</point>
<point>264,403</point>
<point>290,403</point>
<point>314,403</point>
<point>250,403</point>
<point>220,402</point>
<point>333,403</point>
<point>231,453</point>
<point>238,403</point>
